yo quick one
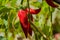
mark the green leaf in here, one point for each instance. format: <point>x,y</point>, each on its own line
<point>5,22</point>
<point>13,3</point>
<point>4,9</point>
<point>1,21</point>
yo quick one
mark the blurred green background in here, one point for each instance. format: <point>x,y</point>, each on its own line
<point>48,20</point>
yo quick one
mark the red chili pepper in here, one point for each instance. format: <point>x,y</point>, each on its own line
<point>34,11</point>
<point>50,2</point>
<point>22,14</point>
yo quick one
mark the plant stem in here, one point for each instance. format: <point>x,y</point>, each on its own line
<point>39,30</point>
<point>51,28</point>
<point>21,1</point>
<point>28,5</point>
<point>36,36</point>
<point>29,15</point>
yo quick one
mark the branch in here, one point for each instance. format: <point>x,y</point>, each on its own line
<point>39,30</point>
<point>21,1</point>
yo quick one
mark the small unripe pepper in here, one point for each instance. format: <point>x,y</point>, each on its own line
<point>23,17</point>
